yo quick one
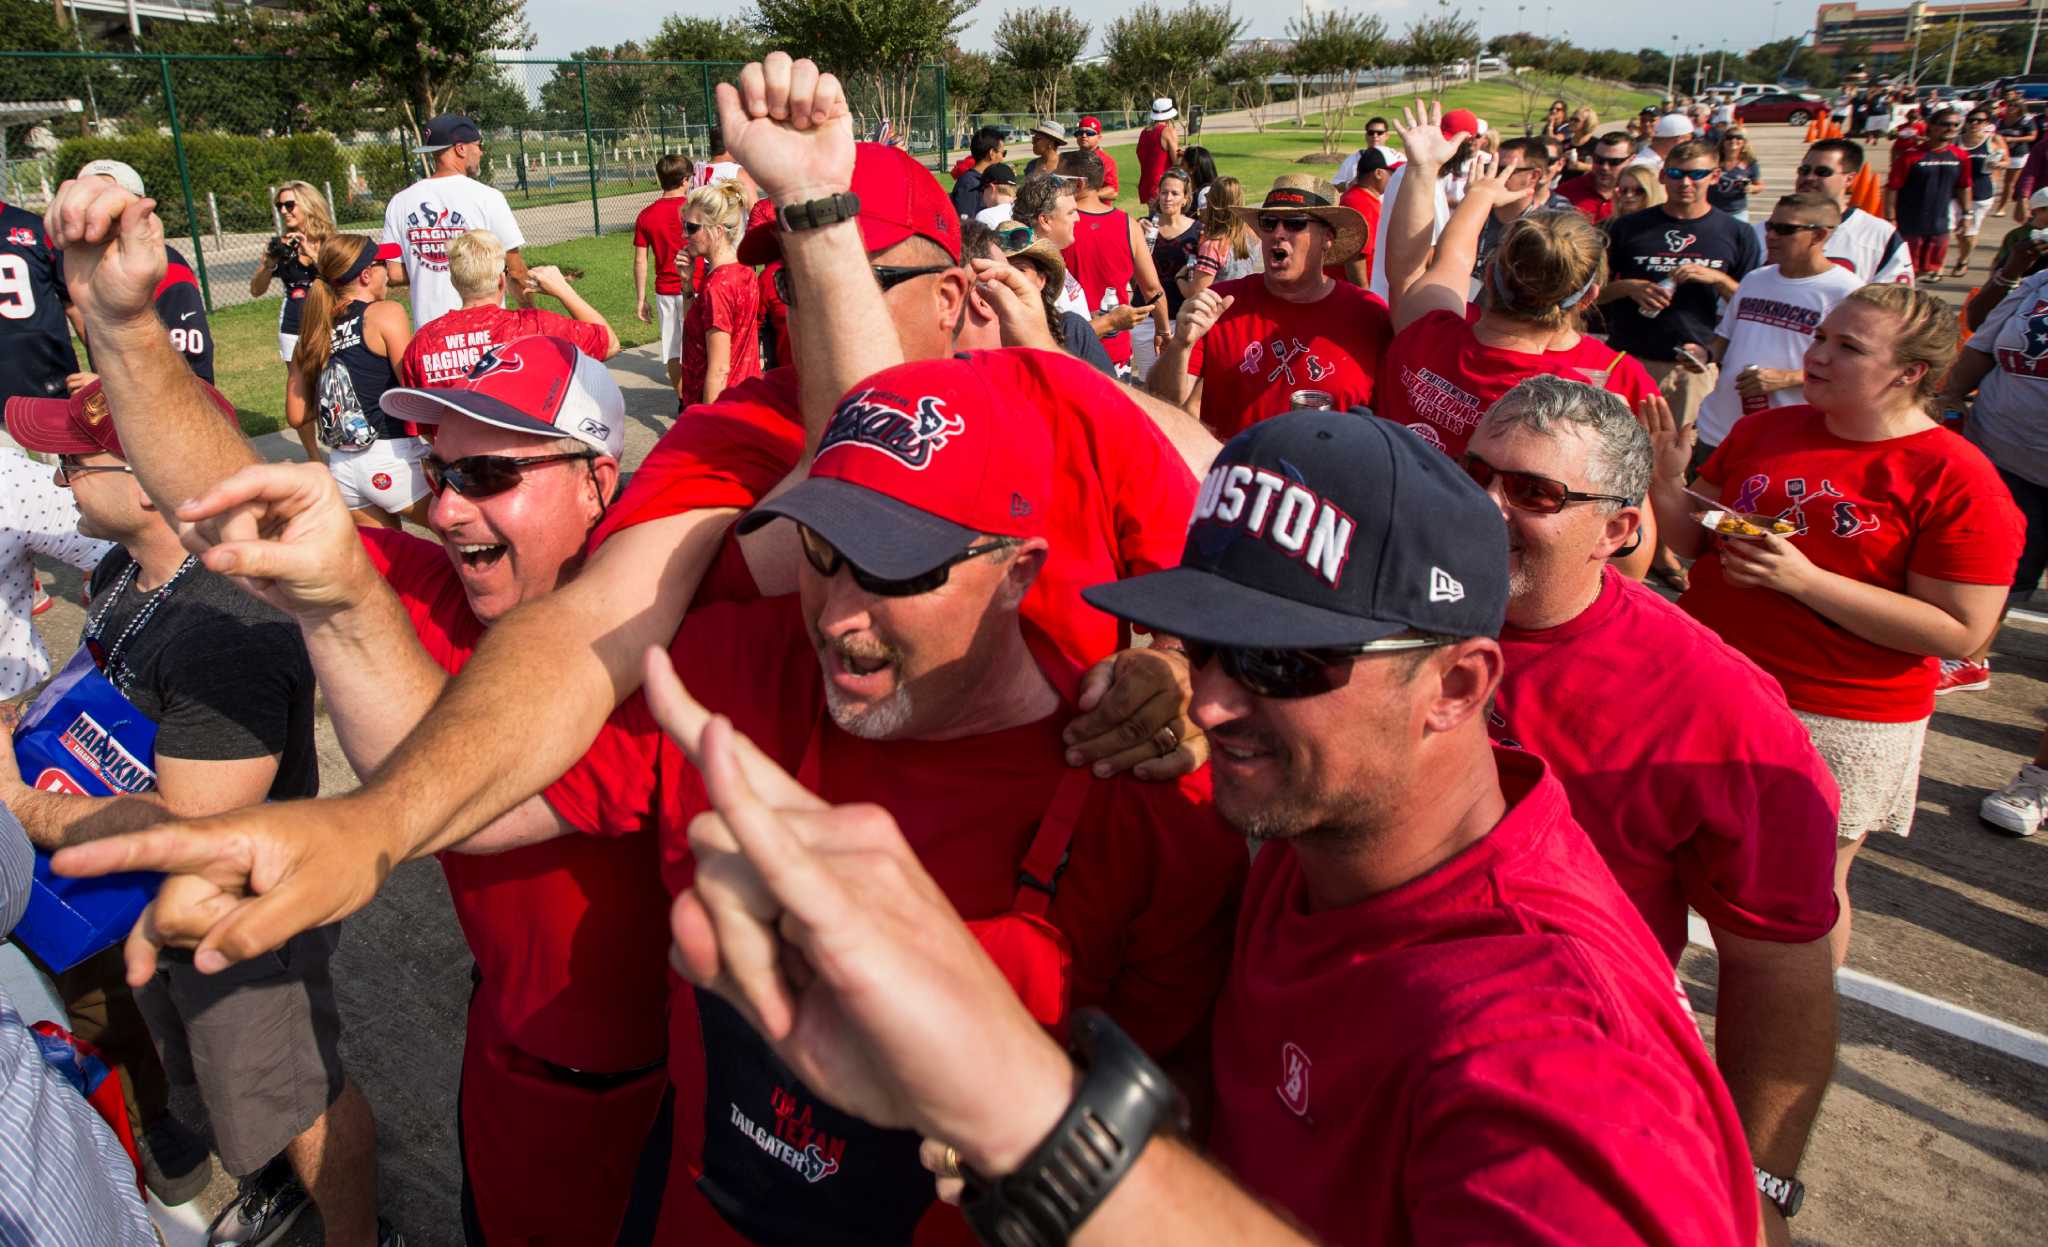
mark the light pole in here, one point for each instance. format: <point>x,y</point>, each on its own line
<point>1954,44</point>
<point>1671,75</point>
<point>2035,37</point>
<point>1774,19</point>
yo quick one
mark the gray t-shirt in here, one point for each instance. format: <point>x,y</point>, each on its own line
<point>2010,418</point>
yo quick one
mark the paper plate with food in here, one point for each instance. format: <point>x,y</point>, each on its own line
<point>1745,526</point>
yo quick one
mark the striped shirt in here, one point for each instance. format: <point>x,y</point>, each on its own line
<point>64,1180</point>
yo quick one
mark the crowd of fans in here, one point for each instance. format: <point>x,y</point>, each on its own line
<point>849,817</point>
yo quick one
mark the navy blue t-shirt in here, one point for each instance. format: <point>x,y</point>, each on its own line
<point>1651,245</point>
<point>35,338</point>
<point>1924,182</point>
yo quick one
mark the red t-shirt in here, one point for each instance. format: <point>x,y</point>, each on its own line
<point>772,306</point>
<point>1367,205</point>
<point>1102,262</point>
<point>1928,502</point>
<point>1265,348</point>
<point>1109,183</point>
<point>729,301</point>
<point>447,347</point>
<point>1683,764</point>
<point>1153,160</point>
<point>1491,1053</point>
<point>1146,899</point>
<point>1442,378</point>
<point>570,935</point>
<point>1585,198</point>
<point>1121,507</point>
<point>659,228</point>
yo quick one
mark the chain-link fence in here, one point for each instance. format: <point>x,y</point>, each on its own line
<point>572,144</point>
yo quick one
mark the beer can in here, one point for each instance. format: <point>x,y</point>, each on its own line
<point>1753,403</point>
<point>1312,400</point>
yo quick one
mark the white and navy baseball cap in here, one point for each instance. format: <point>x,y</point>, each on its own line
<point>536,384</point>
<point>446,131</point>
<point>120,172</point>
<point>1325,529</point>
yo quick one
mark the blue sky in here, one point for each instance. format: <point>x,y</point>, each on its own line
<point>563,26</point>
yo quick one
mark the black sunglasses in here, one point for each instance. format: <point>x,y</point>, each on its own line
<point>1269,224</point>
<point>287,205</point>
<point>1610,161</point>
<point>888,276</point>
<point>1784,230</point>
<point>1695,175</point>
<point>487,476</point>
<point>1378,134</point>
<point>69,468</point>
<point>1287,674</point>
<point>826,560</point>
<point>1526,491</point>
<point>1817,171</point>
<point>691,227</point>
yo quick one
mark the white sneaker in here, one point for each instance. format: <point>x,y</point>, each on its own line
<point>2019,806</point>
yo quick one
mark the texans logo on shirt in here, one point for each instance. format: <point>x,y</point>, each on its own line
<point>1293,1088</point>
<point>908,432</point>
<point>1676,241</point>
<point>2037,330</point>
<point>1846,517</point>
<point>792,1139</point>
<point>22,236</point>
<point>1283,354</point>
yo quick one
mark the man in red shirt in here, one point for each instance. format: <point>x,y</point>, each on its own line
<point>448,346</point>
<point>1432,966</point>
<point>658,236</point>
<point>1592,192</point>
<point>1089,135</point>
<point>1366,195</point>
<point>1158,148</point>
<point>1250,345</point>
<point>1680,757</point>
<point>1110,259</point>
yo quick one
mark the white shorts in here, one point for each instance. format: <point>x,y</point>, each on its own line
<point>287,344</point>
<point>1969,226</point>
<point>670,308</point>
<point>1877,767</point>
<point>385,474</point>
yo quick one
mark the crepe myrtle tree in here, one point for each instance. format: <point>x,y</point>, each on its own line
<point>1337,47</point>
<point>877,47</point>
<point>1041,45</point>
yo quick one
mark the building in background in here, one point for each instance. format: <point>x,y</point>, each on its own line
<point>1884,38</point>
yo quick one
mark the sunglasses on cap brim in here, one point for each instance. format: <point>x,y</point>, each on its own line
<point>1290,674</point>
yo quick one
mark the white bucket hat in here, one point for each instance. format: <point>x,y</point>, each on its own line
<point>1163,109</point>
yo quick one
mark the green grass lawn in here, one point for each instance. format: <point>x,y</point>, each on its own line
<point>248,371</point>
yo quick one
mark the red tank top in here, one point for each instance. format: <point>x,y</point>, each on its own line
<point>1100,260</point>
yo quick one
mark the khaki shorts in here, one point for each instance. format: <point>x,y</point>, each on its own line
<point>1877,767</point>
<point>262,1039</point>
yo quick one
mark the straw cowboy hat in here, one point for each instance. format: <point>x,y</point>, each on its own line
<point>1019,242</point>
<point>1305,194</point>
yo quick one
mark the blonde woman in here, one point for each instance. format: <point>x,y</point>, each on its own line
<point>351,339</point>
<point>293,257</point>
<point>1639,188</point>
<point>1900,546</point>
<point>1578,145</point>
<point>1737,175</point>
<point>1227,250</point>
<point>722,330</point>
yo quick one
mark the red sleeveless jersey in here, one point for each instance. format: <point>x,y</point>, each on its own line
<point>1100,260</point>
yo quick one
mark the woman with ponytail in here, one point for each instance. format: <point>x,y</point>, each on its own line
<point>1893,544</point>
<point>722,330</point>
<point>350,341</point>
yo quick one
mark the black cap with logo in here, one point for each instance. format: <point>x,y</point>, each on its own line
<point>446,131</point>
<point>1323,529</point>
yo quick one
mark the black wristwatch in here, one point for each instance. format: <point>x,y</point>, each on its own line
<point>1124,1099</point>
<point>818,213</point>
<point>1786,1193</point>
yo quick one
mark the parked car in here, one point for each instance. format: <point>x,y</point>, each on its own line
<point>1793,108</point>
<point>1492,64</point>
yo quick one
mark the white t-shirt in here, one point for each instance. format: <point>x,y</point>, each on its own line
<point>2006,420</point>
<point>715,171</point>
<point>1387,201</point>
<point>37,516</point>
<point>1769,323</point>
<point>425,217</point>
<point>1074,299</point>
<point>997,215</point>
<point>1868,246</point>
<point>1648,158</point>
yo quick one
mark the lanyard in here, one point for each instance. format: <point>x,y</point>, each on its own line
<point>108,659</point>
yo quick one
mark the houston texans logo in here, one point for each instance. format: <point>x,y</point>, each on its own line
<point>432,217</point>
<point>493,360</point>
<point>1852,520</point>
<point>1676,241</point>
<point>910,434</point>
<point>2036,331</point>
<point>816,1166</point>
<point>21,236</point>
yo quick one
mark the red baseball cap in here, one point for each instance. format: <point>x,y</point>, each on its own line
<point>1089,125</point>
<point>1460,121</point>
<point>899,199</point>
<point>535,384</point>
<point>917,462</point>
<point>82,424</point>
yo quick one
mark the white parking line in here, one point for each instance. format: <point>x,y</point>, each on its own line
<point>1928,1011</point>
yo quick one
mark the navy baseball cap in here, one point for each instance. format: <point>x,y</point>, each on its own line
<point>1324,529</point>
<point>446,131</point>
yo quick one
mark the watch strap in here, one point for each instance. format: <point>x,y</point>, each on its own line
<point>1786,1194</point>
<point>1124,1099</point>
<point>818,213</point>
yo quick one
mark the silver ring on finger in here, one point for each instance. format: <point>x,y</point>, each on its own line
<point>1166,740</point>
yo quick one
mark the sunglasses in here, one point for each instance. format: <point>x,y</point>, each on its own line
<point>1014,237</point>
<point>1378,134</point>
<point>1288,674</point>
<point>1274,224</point>
<point>487,476</point>
<point>888,276</point>
<point>1784,230</point>
<point>69,468</point>
<point>287,205</point>
<point>1817,171</point>
<point>826,560</point>
<point>691,227</point>
<point>1690,175</point>
<point>1610,161</point>
<point>1526,491</point>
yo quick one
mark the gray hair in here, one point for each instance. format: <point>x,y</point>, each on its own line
<point>1545,404</point>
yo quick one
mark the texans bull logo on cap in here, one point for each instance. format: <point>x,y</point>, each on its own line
<point>909,431</point>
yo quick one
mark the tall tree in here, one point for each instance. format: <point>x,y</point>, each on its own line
<point>1337,46</point>
<point>703,39</point>
<point>1155,52</point>
<point>877,47</point>
<point>970,87</point>
<point>1434,44</point>
<point>1041,45</point>
<point>423,48</point>
<point>1248,72</point>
